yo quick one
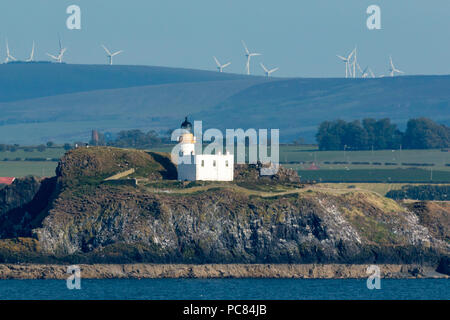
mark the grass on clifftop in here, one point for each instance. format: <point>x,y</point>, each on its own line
<point>92,165</point>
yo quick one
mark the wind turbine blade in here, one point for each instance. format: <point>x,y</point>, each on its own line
<point>392,64</point>
<point>59,41</point>
<point>351,54</point>
<point>52,56</point>
<point>273,70</point>
<point>264,67</point>
<point>226,64</point>
<point>359,68</point>
<point>217,61</point>
<point>106,49</point>
<point>255,54</point>
<point>245,47</point>
<point>116,53</point>
<point>342,58</point>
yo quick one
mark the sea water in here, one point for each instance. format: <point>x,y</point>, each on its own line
<point>229,289</point>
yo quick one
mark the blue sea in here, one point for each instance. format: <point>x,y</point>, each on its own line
<point>228,289</point>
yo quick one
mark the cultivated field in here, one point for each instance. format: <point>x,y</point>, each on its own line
<point>384,166</point>
<point>25,168</point>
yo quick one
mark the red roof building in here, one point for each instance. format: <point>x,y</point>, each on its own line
<point>7,180</point>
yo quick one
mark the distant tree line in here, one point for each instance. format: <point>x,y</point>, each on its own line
<point>132,139</point>
<point>421,133</point>
<point>425,192</point>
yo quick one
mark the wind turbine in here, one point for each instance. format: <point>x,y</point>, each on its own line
<point>268,72</point>
<point>392,68</point>
<point>248,55</point>
<point>220,67</point>
<point>31,58</point>
<point>9,57</point>
<point>59,57</point>
<point>347,62</point>
<point>111,55</point>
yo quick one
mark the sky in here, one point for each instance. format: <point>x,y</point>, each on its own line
<point>301,37</point>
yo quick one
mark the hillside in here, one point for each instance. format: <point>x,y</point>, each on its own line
<point>42,102</point>
<point>84,218</point>
<point>21,81</point>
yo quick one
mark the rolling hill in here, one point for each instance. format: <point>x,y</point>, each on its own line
<point>42,102</point>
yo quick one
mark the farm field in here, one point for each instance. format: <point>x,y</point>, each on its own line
<point>51,153</point>
<point>380,188</point>
<point>384,158</point>
<point>383,166</point>
<point>25,168</point>
<point>406,175</point>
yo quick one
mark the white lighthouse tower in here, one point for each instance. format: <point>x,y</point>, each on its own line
<point>187,140</point>
<point>205,167</point>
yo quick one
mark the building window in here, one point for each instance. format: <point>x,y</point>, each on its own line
<point>226,163</point>
<point>203,163</point>
<point>214,163</point>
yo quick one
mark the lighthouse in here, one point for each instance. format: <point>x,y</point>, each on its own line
<point>187,140</point>
<point>201,167</point>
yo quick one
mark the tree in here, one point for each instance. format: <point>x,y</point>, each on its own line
<point>337,135</point>
<point>423,133</point>
<point>355,136</point>
<point>50,144</point>
<point>67,146</point>
<point>136,139</point>
<point>330,134</point>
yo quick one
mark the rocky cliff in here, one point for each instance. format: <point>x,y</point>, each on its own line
<point>87,219</point>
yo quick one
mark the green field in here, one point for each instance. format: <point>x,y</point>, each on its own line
<point>51,153</point>
<point>372,167</point>
<point>376,175</point>
<point>289,154</point>
<point>25,168</point>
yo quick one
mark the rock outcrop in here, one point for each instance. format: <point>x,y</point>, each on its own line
<point>86,220</point>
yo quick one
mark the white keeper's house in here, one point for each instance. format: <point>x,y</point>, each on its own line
<point>201,167</point>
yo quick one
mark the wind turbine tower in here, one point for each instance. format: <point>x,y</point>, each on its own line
<point>248,55</point>
<point>111,55</point>
<point>268,72</point>
<point>31,58</point>
<point>347,63</point>
<point>59,57</point>
<point>9,57</point>
<point>220,67</point>
<point>392,68</point>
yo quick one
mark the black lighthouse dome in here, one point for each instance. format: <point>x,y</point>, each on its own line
<point>186,125</point>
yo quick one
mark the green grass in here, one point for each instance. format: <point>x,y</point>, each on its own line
<point>438,158</point>
<point>22,154</point>
<point>377,175</point>
<point>25,168</point>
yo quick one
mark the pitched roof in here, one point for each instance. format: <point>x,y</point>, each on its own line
<point>7,180</point>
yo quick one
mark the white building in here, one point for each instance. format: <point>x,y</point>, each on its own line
<point>204,167</point>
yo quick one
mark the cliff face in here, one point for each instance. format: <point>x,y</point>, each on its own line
<point>222,226</point>
<point>88,220</point>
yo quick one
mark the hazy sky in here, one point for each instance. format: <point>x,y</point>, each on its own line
<point>300,37</point>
